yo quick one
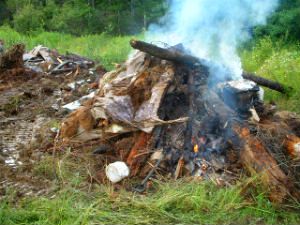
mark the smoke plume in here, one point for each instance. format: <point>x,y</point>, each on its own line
<point>212,29</point>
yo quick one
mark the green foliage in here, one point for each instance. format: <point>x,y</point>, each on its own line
<point>277,62</point>
<point>80,17</point>
<point>28,20</point>
<point>284,24</point>
<point>71,18</point>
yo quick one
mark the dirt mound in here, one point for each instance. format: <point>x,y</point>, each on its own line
<point>13,58</point>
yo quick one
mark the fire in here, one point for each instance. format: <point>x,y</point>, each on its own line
<point>196,148</point>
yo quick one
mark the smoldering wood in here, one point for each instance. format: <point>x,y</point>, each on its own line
<point>189,127</point>
<point>257,160</point>
<point>59,68</point>
<point>266,83</point>
<point>215,106</point>
<point>180,57</point>
<point>167,54</point>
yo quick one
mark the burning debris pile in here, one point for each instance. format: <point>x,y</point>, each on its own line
<point>159,115</point>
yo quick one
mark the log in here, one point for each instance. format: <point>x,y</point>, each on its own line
<point>163,53</point>
<point>259,163</point>
<point>266,83</point>
<point>174,55</point>
<point>215,106</point>
<point>189,128</point>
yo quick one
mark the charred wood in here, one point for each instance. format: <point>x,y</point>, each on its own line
<point>167,54</point>
<point>189,127</point>
<point>266,83</point>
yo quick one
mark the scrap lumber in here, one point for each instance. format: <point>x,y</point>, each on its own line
<point>78,58</point>
<point>174,55</point>
<point>136,156</point>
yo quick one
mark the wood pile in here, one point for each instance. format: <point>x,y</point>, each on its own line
<point>160,115</point>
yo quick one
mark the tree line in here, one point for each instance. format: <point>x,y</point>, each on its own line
<point>120,17</point>
<point>80,17</point>
<point>284,23</point>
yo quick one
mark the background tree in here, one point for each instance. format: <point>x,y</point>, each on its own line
<point>284,23</point>
<point>121,17</point>
<point>81,16</point>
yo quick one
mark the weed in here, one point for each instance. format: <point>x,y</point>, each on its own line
<point>13,105</point>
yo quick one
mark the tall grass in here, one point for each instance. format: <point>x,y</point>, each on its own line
<point>277,62</point>
<point>104,48</point>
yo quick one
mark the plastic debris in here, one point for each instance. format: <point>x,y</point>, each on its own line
<point>117,171</point>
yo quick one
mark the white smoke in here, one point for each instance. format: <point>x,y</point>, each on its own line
<point>212,29</point>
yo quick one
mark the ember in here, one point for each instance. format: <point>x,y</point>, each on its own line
<point>196,148</point>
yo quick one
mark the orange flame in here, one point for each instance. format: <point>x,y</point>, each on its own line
<point>196,148</point>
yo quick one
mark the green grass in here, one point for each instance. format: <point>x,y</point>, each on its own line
<point>106,49</point>
<point>277,62</point>
<point>175,202</point>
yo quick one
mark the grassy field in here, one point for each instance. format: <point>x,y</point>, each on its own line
<point>177,202</point>
<point>106,49</point>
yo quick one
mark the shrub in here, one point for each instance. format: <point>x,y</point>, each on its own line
<point>28,20</point>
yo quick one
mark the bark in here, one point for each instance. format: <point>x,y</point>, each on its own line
<point>259,163</point>
<point>167,54</point>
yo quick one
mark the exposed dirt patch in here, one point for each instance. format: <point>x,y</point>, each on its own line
<point>30,113</point>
